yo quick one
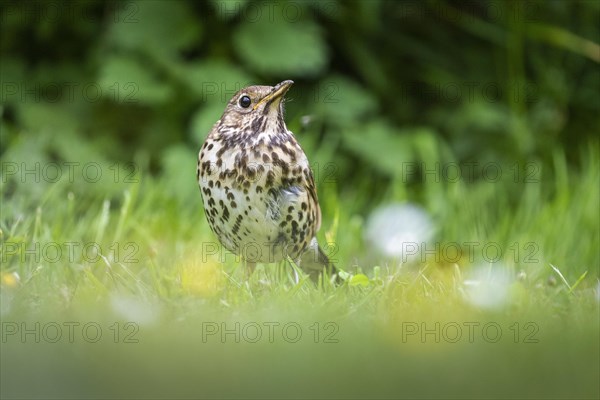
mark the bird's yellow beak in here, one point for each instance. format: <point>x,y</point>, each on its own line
<point>278,91</point>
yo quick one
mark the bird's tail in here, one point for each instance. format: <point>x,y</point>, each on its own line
<point>315,262</point>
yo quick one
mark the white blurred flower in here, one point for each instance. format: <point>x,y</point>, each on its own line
<point>488,286</point>
<point>399,230</point>
<point>135,310</point>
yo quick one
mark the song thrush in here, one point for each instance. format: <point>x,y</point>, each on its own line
<point>257,187</point>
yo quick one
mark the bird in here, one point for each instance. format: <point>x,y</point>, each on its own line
<point>257,187</point>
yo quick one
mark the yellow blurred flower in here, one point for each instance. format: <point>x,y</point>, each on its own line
<point>10,279</point>
<point>203,279</point>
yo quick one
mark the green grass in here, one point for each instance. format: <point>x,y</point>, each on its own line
<point>157,292</point>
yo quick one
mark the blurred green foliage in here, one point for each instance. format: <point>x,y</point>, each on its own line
<point>378,83</point>
<point>388,97</point>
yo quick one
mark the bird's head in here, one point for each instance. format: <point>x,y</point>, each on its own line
<point>257,103</point>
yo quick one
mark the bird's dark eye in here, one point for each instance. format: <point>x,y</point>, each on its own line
<point>245,101</point>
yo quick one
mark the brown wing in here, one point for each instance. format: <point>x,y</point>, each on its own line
<point>313,207</point>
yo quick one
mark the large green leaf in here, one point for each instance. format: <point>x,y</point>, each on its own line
<point>343,101</point>
<point>179,167</point>
<point>36,116</point>
<point>203,121</point>
<point>214,80</point>
<point>125,80</point>
<point>160,28</point>
<point>380,145</point>
<point>270,44</point>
